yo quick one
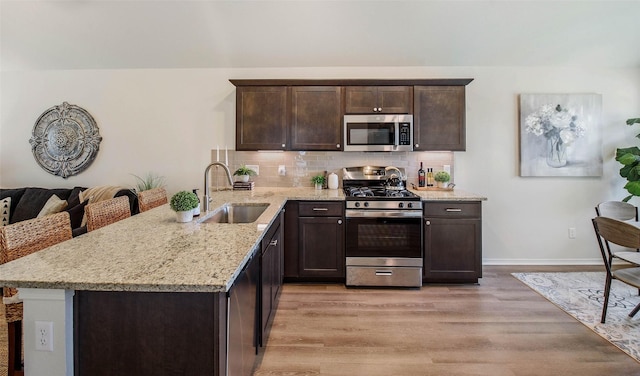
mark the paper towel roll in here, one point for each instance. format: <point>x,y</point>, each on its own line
<point>333,181</point>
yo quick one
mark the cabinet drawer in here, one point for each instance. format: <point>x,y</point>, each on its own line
<point>321,209</point>
<point>453,209</point>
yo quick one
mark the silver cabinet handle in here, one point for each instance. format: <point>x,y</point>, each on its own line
<point>339,221</point>
<point>428,223</point>
<point>416,146</point>
<point>273,243</point>
<point>320,209</point>
<point>338,146</point>
<point>453,210</point>
<point>384,272</point>
<point>283,145</point>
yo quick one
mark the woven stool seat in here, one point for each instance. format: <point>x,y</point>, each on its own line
<point>152,198</point>
<point>106,212</point>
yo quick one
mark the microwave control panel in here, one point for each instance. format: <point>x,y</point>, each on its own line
<point>405,134</point>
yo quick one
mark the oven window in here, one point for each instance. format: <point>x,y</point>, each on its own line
<point>384,237</point>
<point>370,134</point>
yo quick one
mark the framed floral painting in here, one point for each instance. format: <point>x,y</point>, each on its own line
<point>560,135</point>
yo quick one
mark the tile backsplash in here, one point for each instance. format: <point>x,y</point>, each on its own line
<point>301,166</point>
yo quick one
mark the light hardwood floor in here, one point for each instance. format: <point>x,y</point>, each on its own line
<point>498,327</point>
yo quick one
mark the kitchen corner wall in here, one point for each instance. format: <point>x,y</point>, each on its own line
<point>301,166</point>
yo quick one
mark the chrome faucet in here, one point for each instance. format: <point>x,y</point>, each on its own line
<point>207,198</point>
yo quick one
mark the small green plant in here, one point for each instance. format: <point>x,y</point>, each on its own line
<point>630,160</point>
<point>318,179</point>
<point>183,201</point>
<point>442,176</point>
<point>244,170</point>
<point>151,181</point>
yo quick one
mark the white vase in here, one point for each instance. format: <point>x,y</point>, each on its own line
<point>242,178</point>
<point>443,184</point>
<point>184,216</point>
<point>318,185</point>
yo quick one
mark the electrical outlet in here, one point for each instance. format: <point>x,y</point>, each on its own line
<point>447,168</point>
<point>572,232</point>
<point>282,170</point>
<point>44,335</point>
<point>255,168</point>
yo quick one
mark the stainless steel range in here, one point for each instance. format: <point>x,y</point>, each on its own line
<point>384,228</point>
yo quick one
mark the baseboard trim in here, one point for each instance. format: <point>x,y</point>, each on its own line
<point>594,261</point>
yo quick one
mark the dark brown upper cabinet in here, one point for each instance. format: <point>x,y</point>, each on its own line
<point>378,99</point>
<point>316,118</point>
<point>261,118</point>
<point>439,118</point>
<point>305,114</point>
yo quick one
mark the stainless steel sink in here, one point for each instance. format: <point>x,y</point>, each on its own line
<point>237,213</point>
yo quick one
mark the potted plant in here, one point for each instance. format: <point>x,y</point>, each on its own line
<point>243,173</point>
<point>150,181</point>
<point>442,177</point>
<point>318,181</point>
<point>183,204</point>
<point>630,159</point>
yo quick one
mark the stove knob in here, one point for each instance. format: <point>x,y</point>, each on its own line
<point>357,204</point>
<point>366,204</point>
<point>410,205</point>
<point>401,205</point>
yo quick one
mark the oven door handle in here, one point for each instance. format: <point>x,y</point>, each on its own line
<point>383,213</point>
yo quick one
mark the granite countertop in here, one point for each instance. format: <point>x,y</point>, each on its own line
<point>152,252</point>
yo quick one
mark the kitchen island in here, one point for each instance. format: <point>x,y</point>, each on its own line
<point>151,263</point>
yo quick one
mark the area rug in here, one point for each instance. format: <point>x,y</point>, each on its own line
<point>581,294</point>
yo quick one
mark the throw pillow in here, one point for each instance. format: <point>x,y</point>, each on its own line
<point>5,211</point>
<point>53,205</point>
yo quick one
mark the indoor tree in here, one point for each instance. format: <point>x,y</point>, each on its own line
<point>630,159</point>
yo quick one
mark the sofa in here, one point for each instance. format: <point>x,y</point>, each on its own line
<point>19,204</point>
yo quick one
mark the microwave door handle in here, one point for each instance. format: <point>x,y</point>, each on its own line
<point>396,141</point>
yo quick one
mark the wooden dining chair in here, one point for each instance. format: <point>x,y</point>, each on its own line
<point>18,240</point>
<point>622,211</point>
<point>609,230</point>
<point>106,212</point>
<point>152,198</point>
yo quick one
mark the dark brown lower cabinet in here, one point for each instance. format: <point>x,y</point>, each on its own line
<point>149,333</point>
<point>314,241</point>
<point>243,317</point>
<point>270,276</point>
<point>452,242</point>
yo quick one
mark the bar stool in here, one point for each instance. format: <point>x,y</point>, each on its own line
<point>106,212</point>
<point>18,240</point>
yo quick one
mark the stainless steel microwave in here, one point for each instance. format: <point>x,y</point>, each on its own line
<point>392,132</point>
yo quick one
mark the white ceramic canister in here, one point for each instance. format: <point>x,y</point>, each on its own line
<point>333,181</point>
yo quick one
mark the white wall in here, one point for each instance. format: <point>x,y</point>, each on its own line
<point>167,121</point>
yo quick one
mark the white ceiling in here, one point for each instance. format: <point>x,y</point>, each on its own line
<point>89,34</point>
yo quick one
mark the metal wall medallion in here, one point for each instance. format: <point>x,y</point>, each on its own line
<point>65,140</point>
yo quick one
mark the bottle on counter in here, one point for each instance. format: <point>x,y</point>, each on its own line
<point>430,180</point>
<point>421,176</point>
<point>196,211</point>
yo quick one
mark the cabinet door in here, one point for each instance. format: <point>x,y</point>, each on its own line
<point>395,99</point>
<point>242,335</point>
<point>452,250</point>
<point>261,118</point>
<point>378,99</point>
<point>321,247</point>
<point>439,118</point>
<point>315,122</point>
